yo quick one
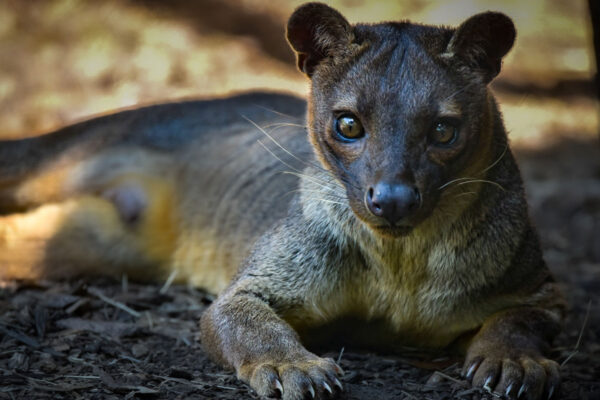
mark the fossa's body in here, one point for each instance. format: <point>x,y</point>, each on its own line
<point>397,204</point>
<point>173,187</point>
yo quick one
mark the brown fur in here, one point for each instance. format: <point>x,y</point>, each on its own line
<point>230,195</point>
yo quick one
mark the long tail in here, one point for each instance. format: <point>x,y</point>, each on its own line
<point>154,126</point>
<point>21,157</point>
<point>45,156</point>
<point>163,128</point>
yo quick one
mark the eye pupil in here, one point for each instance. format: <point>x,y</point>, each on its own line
<point>445,133</point>
<point>348,124</point>
<point>349,127</point>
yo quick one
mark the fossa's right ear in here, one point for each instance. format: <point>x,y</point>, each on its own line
<point>316,31</point>
<point>481,41</point>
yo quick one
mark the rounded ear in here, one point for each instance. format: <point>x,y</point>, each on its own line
<point>481,42</point>
<point>316,31</point>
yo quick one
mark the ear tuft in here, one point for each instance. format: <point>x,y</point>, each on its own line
<point>316,31</point>
<point>482,40</point>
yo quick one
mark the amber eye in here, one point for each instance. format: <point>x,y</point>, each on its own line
<point>445,132</point>
<point>349,128</point>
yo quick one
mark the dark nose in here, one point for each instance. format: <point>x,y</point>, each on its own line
<point>392,201</point>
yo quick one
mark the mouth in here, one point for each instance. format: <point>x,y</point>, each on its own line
<point>392,231</point>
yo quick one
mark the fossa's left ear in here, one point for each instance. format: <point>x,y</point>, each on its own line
<point>316,31</point>
<point>481,41</point>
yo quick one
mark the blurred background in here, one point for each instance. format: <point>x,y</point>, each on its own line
<point>65,60</point>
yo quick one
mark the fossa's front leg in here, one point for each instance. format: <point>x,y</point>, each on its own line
<point>506,355</point>
<point>242,330</point>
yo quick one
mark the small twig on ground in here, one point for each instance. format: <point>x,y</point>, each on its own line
<point>72,308</point>
<point>21,337</point>
<point>81,377</point>
<point>185,340</point>
<point>578,343</point>
<point>28,341</point>
<point>340,356</point>
<point>113,303</point>
<point>128,358</point>
<point>60,388</point>
<point>80,361</point>
<point>124,283</point>
<point>448,377</point>
<point>225,387</point>
<point>196,384</point>
<point>168,282</point>
<point>404,392</point>
<point>149,318</point>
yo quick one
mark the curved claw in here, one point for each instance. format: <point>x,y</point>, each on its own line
<point>279,386</point>
<point>550,392</point>
<point>327,388</point>
<point>472,369</point>
<point>338,383</point>
<point>486,385</point>
<point>521,391</point>
<point>311,390</point>
<point>508,391</point>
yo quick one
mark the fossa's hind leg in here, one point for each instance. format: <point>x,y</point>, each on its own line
<point>127,227</point>
<point>130,201</point>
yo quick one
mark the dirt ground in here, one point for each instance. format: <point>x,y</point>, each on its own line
<point>103,339</point>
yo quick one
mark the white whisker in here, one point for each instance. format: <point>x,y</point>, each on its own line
<point>272,139</point>
<point>277,157</point>
<point>333,195</point>
<point>311,178</point>
<point>280,146</point>
<point>276,112</point>
<point>471,180</point>
<point>452,181</point>
<point>282,124</point>
<point>497,161</point>
<point>296,171</point>
<point>463,194</point>
<point>482,181</point>
<point>325,200</point>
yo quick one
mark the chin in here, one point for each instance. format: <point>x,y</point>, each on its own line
<point>392,232</point>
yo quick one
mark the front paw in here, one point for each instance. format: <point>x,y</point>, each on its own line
<point>307,377</point>
<point>522,377</point>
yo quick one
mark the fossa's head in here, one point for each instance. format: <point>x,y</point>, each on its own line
<point>398,109</point>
